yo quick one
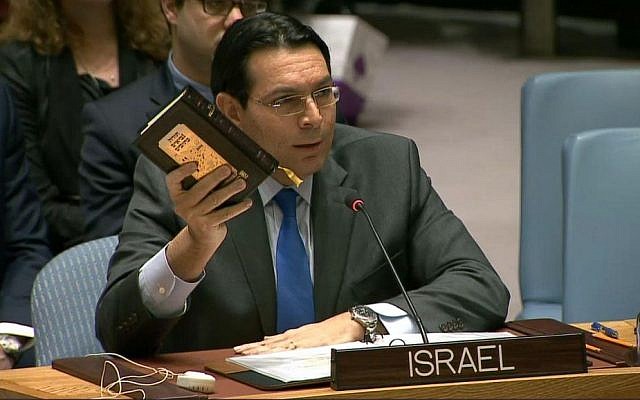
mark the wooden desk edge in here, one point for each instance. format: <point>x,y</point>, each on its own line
<point>12,390</point>
<point>597,384</point>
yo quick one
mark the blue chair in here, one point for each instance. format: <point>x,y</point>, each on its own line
<point>601,177</point>
<point>554,106</point>
<point>64,298</point>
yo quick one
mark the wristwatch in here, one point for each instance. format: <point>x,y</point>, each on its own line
<point>368,318</point>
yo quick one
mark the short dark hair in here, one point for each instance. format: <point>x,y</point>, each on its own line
<point>262,31</point>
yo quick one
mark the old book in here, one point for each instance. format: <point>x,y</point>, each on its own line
<point>190,128</point>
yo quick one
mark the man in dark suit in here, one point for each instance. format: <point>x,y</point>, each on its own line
<point>24,249</point>
<point>290,266</point>
<point>112,123</point>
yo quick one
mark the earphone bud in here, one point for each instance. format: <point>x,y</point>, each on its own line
<point>197,381</point>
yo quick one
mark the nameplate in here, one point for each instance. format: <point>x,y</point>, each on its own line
<point>458,361</point>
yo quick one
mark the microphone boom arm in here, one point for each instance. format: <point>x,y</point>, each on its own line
<point>359,205</point>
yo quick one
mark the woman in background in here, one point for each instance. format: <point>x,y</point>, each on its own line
<point>58,55</point>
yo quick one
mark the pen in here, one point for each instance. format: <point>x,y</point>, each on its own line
<point>598,327</point>
<point>602,336</point>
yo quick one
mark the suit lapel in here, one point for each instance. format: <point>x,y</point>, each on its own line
<point>332,224</point>
<point>162,91</point>
<point>249,235</point>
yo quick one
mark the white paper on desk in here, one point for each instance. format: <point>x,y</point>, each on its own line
<point>315,363</point>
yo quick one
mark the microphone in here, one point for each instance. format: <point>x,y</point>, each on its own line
<point>355,203</point>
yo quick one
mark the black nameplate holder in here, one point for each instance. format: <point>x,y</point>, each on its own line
<point>513,357</point>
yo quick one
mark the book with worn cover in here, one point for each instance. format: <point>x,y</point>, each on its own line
<point>190,128</point>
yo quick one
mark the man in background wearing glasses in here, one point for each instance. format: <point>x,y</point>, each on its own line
<point>111,124</point>
<point>287,267</point>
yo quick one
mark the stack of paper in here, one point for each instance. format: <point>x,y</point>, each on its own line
<point>315,363</point>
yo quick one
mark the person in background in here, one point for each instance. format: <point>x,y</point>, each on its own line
<point>58,55</point>
<point>290,266</point>
<point>316,6</point>
<point>111,124</point>
<point>24,248</point>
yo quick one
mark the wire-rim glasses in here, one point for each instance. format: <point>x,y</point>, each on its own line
<point>294,105</point>
<point>224,7</point>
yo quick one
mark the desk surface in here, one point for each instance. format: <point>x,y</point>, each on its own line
<point>609,383</point>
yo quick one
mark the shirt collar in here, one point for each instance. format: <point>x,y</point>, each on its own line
<point>180,80</point>
<point>270,187</point>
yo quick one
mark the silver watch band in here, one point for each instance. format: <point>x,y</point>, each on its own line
<point>10,344</point>
<point>368,319</point>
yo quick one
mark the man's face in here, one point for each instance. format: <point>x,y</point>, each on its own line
<point>299,142</point>
<point>196,33</point>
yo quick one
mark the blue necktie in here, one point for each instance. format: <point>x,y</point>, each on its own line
<point>295,291</point>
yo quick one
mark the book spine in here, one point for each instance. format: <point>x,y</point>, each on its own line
<point>263,159</point>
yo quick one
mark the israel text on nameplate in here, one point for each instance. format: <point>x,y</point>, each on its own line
<point>315,363</point>
<point>458,361</point>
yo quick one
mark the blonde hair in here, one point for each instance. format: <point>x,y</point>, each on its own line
<point>42,24</point>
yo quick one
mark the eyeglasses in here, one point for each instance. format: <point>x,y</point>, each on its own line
<point>224,7</point>
<point>294,105</point>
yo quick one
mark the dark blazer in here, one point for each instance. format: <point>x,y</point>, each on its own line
<point>108,157</point>
<point>446,273</point>
<point>23,238</point>
<point>49,99</point>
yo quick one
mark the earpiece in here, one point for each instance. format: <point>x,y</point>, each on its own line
<point>197,381</point>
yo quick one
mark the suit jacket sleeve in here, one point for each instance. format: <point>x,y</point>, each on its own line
<point>25,244</point>
<point>451,282</point>
<point>453,285</point>
<point>123,323</point>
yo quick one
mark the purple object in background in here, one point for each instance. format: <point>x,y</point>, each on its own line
<point>351,103</point>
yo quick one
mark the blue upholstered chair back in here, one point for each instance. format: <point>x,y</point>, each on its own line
<point>601,177</point>
<point>554,106</point>
<point>64,298</point>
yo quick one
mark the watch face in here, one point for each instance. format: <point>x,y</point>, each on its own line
<point>365,314</point>
<point>10,344</point>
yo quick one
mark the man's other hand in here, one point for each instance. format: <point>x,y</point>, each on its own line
<point>338,329</point>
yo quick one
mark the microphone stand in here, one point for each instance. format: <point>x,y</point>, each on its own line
<point>359,205</point>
